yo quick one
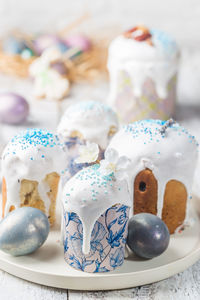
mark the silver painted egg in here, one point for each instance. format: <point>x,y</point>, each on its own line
<point>23,231</point>
<point>14,109</point>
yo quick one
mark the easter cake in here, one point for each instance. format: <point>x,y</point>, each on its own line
<point>86,127</point>
<point>163,158</point>
<point>89,120</point>
<point>32,164</point>
<point>143,65</point>
<point>96,204</point>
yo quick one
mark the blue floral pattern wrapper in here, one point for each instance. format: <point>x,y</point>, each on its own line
<point>107,245</point>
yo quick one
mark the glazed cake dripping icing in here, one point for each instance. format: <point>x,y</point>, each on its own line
<point>89,194</point>
<point>31,155</point>
<point>93,120</point>
<point>157,60</point>
<point>170,154</point>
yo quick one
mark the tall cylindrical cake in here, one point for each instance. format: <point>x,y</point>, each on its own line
<point>163,158</point>
<point>86,122</point>
<point>143,67</point>
<point>32,164</point>
<point>96,213</point>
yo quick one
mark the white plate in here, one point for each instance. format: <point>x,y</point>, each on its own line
<point>47,266</point>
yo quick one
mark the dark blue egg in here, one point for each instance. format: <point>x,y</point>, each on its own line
<point>12,45</point>
<point>23,231</point>
<point>148,236</point>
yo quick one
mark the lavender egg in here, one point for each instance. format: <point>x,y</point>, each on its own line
<point>14,109</point>
<point>23,231</point>
<point>45,41</point>
<point>79,41</point>
<point>59,67</point>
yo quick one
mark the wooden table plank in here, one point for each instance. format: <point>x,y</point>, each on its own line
<point>13,288</point>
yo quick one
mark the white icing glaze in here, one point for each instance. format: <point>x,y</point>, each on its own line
<point>31,155</point>
<point>141,60</point>
<point>89,194</point>
<point>171,155</point>
<point>90,118</point>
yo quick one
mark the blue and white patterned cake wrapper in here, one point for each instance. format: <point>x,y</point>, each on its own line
<point>107,245</point>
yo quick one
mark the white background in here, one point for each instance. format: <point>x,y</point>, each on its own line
<point>179,17</point>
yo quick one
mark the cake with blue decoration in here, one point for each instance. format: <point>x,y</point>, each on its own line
<point>143,65</point>
<point>163,157</point>
<point>96,204</point>
<point>32,164</point>
<point>86,126</point>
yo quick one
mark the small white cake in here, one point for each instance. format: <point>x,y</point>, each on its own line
<point>89,120</point>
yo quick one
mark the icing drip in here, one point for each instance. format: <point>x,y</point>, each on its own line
<point>141,60</point>
<point>93,120</point>
<point>89,194</point>
<point>170,155</point>
<point>31,155</point>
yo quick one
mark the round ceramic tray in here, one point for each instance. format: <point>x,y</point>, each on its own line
<point>47,266</point>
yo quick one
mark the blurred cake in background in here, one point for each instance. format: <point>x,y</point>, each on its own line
<point>32,164</point>
<point>85,127</point>
<point>143,67</point>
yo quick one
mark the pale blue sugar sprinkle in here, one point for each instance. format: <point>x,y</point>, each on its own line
<point>34,137</point>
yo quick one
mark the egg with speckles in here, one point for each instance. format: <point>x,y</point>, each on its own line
<point>23,231</point>
<point>14,109</point>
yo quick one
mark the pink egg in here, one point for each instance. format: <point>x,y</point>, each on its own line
<point>14,109</point>
<point>79,41</point>
<point>45,41</point>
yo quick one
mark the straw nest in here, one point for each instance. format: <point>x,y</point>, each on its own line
<point>88,65</point>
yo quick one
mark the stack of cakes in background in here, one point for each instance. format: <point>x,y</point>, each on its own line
<point>32,164</point>
<point>96,204</point>
<point>143,67</point>
<point>163,158</point>
<point>86,128</point>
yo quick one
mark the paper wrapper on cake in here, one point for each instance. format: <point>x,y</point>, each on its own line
<point>149,105</point>
<point>107,245</point>
<point>73,145</point>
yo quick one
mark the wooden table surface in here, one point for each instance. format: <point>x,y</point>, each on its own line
<point>185,285</point>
